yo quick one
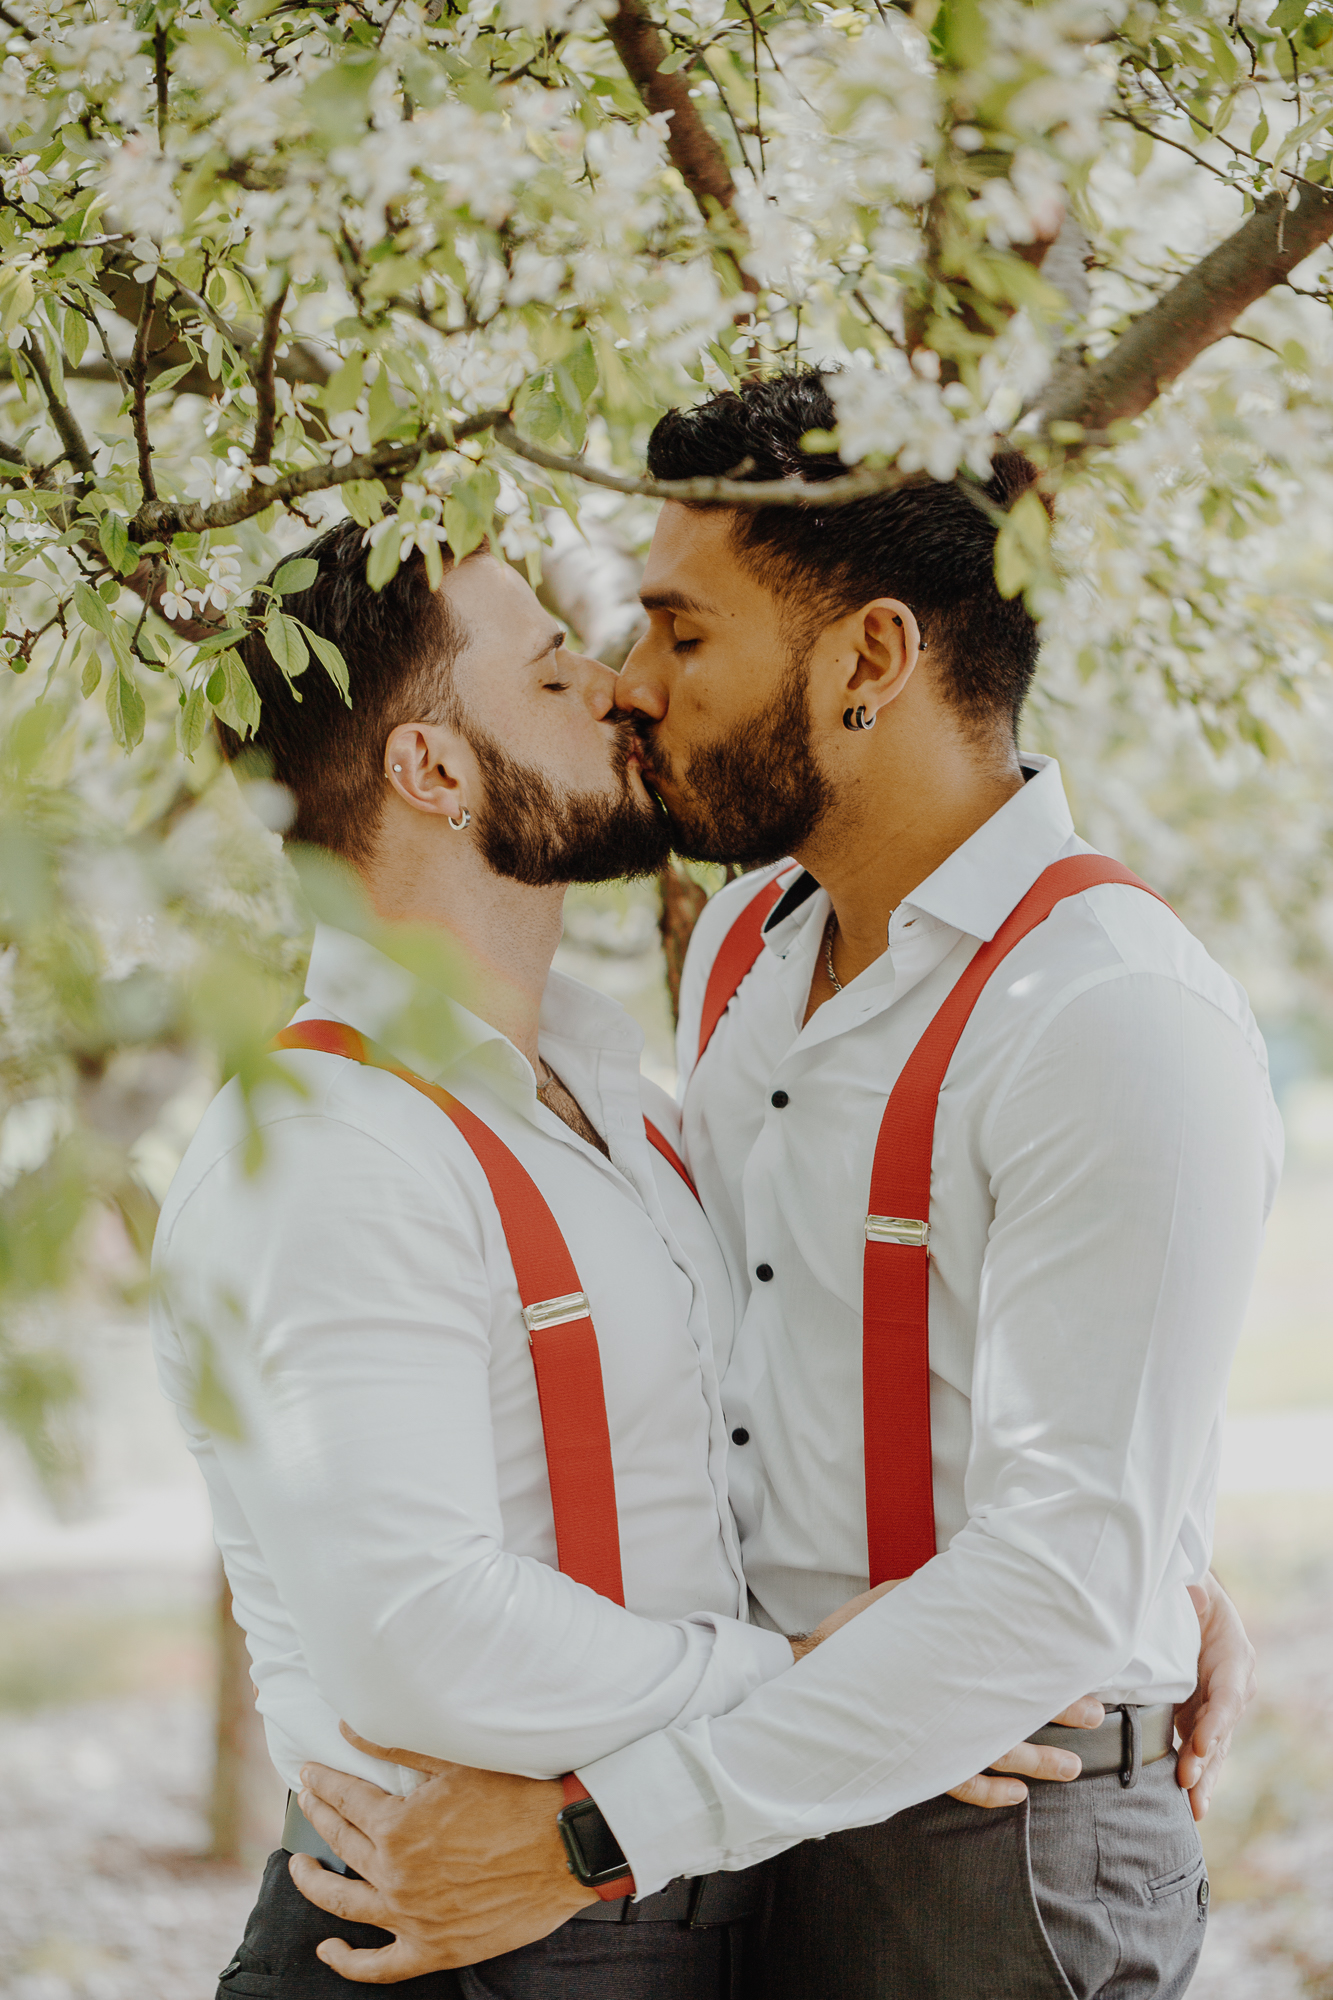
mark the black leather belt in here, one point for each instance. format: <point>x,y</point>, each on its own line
<point>723,1898</point>
<point>696,1900</point>
<point>1128,1739</point>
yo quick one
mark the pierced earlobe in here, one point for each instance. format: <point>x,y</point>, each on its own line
<point>464,819</point>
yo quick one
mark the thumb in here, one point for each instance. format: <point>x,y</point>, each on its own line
<point>383,1967</point>
<point>414,1761</point>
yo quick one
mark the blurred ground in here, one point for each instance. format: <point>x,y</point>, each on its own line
<point>106,1648</point>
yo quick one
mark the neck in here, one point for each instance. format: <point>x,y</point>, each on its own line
<point>894,826</point>
<point>507,931</point>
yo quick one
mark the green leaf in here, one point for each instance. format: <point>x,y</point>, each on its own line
<point>282,635</point>
<point>125,709</point>
<point>76,337</point>
<point>1259,134</point>
<point>580,364</point>
<point>1287,16</point>
<point>92,609</point>
<point>469,509</point>
<point>169,378</point>
<point>384,412</point>
<point>1022,545</point>
<point>342,391</point>
<point>92,674</point>
<point>676,60</point>
<point>332,661</point>
<point>193,721</point>
<point>114,535</point>
<point>382,565</point>
<point>232,693</point>
<point>296,575</point>
<point>364,500</point>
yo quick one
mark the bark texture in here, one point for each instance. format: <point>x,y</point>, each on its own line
<point>1199,310</point>
<point>249,1798</point>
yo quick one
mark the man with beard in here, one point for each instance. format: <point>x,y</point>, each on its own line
<point>988,1143</point>
<point>399,1298</point>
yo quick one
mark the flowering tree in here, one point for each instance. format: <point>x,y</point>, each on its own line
<point>439,266</point>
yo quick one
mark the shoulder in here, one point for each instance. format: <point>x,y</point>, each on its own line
<point>322,1134</point>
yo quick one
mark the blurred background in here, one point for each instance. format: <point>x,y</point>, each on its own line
<point>135,1806</point>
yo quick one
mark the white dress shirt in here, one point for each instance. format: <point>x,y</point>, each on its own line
<point>1106,1153</point>
<point>384,1515</point>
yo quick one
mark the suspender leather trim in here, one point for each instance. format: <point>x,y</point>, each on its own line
<point>900,1505</point>
<point>661,1144</point>
<point>565,1359</point>
<point>740,948</point>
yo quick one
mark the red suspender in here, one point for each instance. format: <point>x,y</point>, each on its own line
<point>560,1329</point>
<point>661,1144</point>
<point>900,1505</point>
<point>740,948</point>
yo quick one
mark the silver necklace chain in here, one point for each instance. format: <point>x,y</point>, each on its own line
<point>829,929</point>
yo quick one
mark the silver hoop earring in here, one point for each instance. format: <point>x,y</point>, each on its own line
<point>857,719</point>
<point>464,819</point>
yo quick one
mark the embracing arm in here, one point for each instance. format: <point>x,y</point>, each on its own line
<point>1130,1196</point>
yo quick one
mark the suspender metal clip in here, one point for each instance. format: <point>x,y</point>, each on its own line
<point>902,1229</point>
<point>555,1312</point>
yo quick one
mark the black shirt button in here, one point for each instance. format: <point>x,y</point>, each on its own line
<point>780,1100</point>
<point>740,1435</point>
<point>763,1272</point>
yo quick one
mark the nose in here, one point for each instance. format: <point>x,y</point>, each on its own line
<point>639,687</point>
<point>599,686</point>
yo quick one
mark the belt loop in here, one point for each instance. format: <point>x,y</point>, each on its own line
<point>697,1890</point>
<point>630,1913</point>
<point>1131,1752</point>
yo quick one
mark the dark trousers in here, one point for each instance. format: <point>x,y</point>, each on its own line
<point>580,1961</point>
<point>1091,1889</point>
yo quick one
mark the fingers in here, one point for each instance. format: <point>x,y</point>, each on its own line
<point>411,1758</point>
<point>347,1841</point>
<point>1085,1713</point>
<point>1036,1760</point>
<point>984,1790</point>
<point>358,1902</point>
<point>356,1800</point>
<point>384,1967</point>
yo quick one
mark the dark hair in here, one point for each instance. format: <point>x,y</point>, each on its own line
<point>926,542</point>
<point>399,644</point>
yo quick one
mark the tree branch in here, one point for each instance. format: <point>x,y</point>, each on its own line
<point>1198,311</point>
<point>840,491</point>
<point>139,384</point>
<point>265,386</point>
<point>694,152</point>
<point>160,520</point>
<point>63,420</point>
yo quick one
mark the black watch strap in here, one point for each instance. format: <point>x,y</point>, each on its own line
<point>595,1855</point>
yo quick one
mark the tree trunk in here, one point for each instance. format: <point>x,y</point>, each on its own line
<point>249,1797</point>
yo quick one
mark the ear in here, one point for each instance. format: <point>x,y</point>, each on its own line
<point>885,642</point>
<point>429,767</point>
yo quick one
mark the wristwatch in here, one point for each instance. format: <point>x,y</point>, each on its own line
<point>594,1853</point>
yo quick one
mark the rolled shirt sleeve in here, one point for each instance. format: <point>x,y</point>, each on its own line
<point>1132,1153</point>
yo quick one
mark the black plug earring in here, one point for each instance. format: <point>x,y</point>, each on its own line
<point>856,718</point>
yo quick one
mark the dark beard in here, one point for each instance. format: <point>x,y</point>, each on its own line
<point>536,834</point>
<point>755,795</point>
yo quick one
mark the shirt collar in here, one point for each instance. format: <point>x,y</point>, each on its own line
<point>981,882</point>
<point>430,1032</point>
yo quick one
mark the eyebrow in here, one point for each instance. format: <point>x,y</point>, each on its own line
<point>553,645</point>
<point>674,600</point>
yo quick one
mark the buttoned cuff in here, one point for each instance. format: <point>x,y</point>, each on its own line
<point>654,1798</point>
<point>652,1793</point>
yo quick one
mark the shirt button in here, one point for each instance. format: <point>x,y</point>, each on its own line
<point>740,1435</point>
<point>1203,1887</point>
<point>763,1272</point>
<point>779,1100</point>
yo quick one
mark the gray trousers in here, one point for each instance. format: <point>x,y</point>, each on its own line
<point>1089,1889</point>
<point>581,1961</point>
